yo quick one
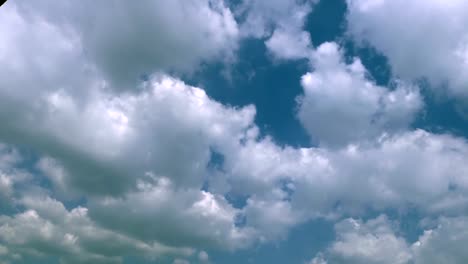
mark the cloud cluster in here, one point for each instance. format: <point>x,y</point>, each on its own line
<point>126,41</point>
<point>159,168</point>
<point>340,105</point>
<point>280,23</point>
<point>377,241</point>
<point>428,39</point>
<point>48,229</point>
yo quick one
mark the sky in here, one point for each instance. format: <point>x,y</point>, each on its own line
<point>234,131</point>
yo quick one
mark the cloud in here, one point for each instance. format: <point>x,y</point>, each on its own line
<point>43,227</point>
<point>371,242</point>
<point>302,184</point>
<point>411,169</point>
<point>11,177</point>
<point>443,243</point>
<point>440,57</point>
<point>377,241</point>
<point>286,45</point>
<point>340,105</point>
<point>126,41</point>
<point>212,219</point>
<point>280,22</point>
<point>286,186</point>
<point>137,153</point>
<point>414,169</point>
<point>123,137</point>
<point>47,229</point>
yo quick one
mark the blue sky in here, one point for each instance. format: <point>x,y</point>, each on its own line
<point>248,131</point>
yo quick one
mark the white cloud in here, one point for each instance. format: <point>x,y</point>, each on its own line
<point>272,218</point>
<point>377,241</point>
<point>212,219</point>
<point>123,137</point>
<point>413,169</point>
<point>126,139</point>
<point>409,169</point>
<point>340,105</point>
<point>47,229</point>
<point>443,244</point>
<point>289,45</point>
<point>93,141</point>
<point>142,157</point>
<point>125,40</point>
<point>371,242</point>
<point>376,245</point>
<point>301,184</point>
<point>420,38</point>
<point>38,57</point>
<point>281,23</point>
<point>262,17</point>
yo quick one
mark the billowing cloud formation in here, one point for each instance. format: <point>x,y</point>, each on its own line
<point>123,124</point>
<point>144,133</point>
<point>301,183</point>
<point>183,217</point>
<point>159,168</point>
<point>412,169</point>
<point>443,243</point>
<point>429,39</point>
<point>377,241</point>
<point>281,23</point>
<point>338,96</point>
<point>48,229</point>
<point>126,41</point>
<point>372,242</point>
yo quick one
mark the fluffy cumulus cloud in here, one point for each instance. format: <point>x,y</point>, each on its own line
<point>281,23</point>
<point>56,101</point>
<point>126,41</point>
<point>119,164</point>
<point>105,154</point>
<point>48,229</point>
<point>428,40</point>
<point>144,133</point>
<point>341,105</point>
<point>40,227</point>
<point>414,168</point>
<point>212,216</point>
<point>126,124</point>
<point>378,241</point>
<point>11,177</point>
<point>287,45</point>
<point>406,170</point>
<point>371,242</point>
<point>443,243</point>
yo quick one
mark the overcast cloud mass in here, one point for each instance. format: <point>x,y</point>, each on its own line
<point>234,131</point>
